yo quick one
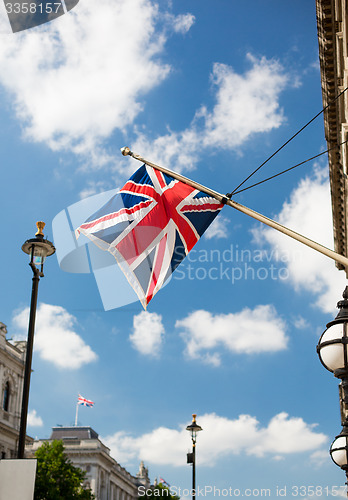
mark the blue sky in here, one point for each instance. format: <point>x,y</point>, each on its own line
<point>210,89</point>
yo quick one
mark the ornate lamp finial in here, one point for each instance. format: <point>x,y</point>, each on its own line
<point>40,225</point>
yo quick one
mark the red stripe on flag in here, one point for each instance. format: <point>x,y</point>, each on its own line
<point>157,269</point>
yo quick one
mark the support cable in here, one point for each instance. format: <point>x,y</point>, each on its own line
<point>288,169</point>
<point>229,195</point>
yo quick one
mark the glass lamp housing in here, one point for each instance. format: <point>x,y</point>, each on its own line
<point>38,248</point>
<point>194,428</point>
<point>332,347</point>
<point>339,451</point>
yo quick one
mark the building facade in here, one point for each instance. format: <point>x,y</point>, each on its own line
<point>12,360</point>
<point>332,24</point>
<point>106,478</point>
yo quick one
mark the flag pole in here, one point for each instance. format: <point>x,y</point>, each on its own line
<point>241,208</point>
<point>77,411</point>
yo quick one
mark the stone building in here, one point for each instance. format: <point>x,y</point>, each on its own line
<point>106,478</point>
<point>12,359</point>
<point>332,23</point>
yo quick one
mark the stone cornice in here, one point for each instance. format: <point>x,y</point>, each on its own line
<point>331,26</point>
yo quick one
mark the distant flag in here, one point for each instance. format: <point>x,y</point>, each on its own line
<point>149,226</point>
<point>164,482</point>
<point>84,402</point>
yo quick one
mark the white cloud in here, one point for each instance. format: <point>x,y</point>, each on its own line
<point>34,420</point>
<point>55,339</point>
<point>91,188</point>
<point>246,104</point>
<point>319,458</point>
<point>308,212</point>
<point>245,332</point>
<point>221,436</point>
<point>148,333</point>
<point>77,87</point>
<point>84,75</point>
<point>176,150</point>
<point>182,23</point>
<point>218,229</point>
<point>301,323</point>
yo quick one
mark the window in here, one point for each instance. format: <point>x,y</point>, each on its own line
<point>6,401</point>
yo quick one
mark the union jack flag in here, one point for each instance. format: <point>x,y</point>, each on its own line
<point>85,402</point>
<point>163,481</point>
<point>149,226</point>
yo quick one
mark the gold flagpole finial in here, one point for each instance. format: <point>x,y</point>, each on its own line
<point>126,151</point>
<point>40,225</point>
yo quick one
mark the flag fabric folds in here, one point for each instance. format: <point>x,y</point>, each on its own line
<point>84,402</point>
<point>149,226</point>
<point>163,481</point>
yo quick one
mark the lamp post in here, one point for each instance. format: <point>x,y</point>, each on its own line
<point>332,349</point>
<point>339,449</point>
<point>38,248</point>
<point>191,457</point>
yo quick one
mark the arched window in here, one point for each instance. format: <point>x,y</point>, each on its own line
<point>6,401</point>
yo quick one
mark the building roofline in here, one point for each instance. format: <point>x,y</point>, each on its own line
<point>333,82</point>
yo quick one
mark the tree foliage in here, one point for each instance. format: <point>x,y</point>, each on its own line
<point>56,477</point>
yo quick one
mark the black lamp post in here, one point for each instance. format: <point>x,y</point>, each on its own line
<point>332,349</point>
<point>191,457</point>
<point>38,248</point>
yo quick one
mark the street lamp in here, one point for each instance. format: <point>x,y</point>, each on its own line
<point>38,248</point>
<point>333,344</point>
<point>191,457</point>
<point>332,349</point>
<point>339,449</point>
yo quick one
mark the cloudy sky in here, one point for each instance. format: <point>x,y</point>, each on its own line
<point>210,89</point>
